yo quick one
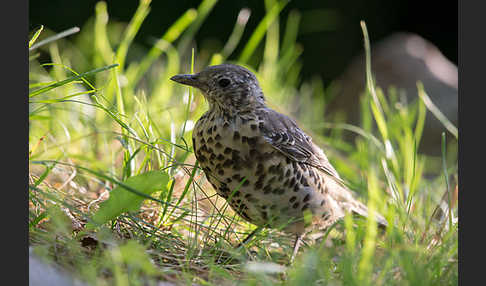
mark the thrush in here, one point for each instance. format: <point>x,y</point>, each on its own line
<point>268,169</point>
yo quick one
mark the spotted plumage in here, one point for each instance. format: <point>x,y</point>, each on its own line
<point>268,169</point>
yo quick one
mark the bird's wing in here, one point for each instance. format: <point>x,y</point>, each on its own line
<point>285,136</point>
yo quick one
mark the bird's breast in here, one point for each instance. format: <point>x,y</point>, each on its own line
<point>258,181</point>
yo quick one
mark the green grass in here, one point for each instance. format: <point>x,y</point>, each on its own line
<point>103,112</point>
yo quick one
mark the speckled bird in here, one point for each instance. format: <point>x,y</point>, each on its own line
<point>267,168</point>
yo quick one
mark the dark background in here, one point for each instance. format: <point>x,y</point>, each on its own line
<point>327,49</point>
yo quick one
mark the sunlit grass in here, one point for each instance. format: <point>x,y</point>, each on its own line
<point>97,118</point>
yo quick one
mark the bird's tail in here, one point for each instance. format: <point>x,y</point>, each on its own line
<point>346,198</point>
<point>362,210</point>
<point>350,204</point>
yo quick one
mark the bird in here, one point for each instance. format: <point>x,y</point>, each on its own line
<point>261,162</point>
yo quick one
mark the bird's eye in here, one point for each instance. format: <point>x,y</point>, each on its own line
<point>224,82</point>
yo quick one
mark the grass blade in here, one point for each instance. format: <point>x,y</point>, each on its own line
<point>375,103</point>
<point>235,36</point>
<point>132,29</point>
<point>186,188</point>
<point>63,82</point>
<point>260,31</point>
<point>203,11</point>
<point>189,101</point>
<point>422,113</point>
<point>65,98</point>
<point>101,43</point>
<point>56,37</point>
<point>161,45</point>
<point>446,177</point>
<point>436,112</point>
<point>36,35</point>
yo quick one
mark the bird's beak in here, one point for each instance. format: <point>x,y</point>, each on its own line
<point>187,79</point>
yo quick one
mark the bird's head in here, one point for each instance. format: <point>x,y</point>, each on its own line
<point>227,87</point>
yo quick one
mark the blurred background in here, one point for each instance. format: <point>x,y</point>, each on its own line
<point>326,28</point>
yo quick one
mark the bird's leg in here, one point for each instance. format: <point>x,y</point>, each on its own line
<point>297,243</point>
<point>248,237</point>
